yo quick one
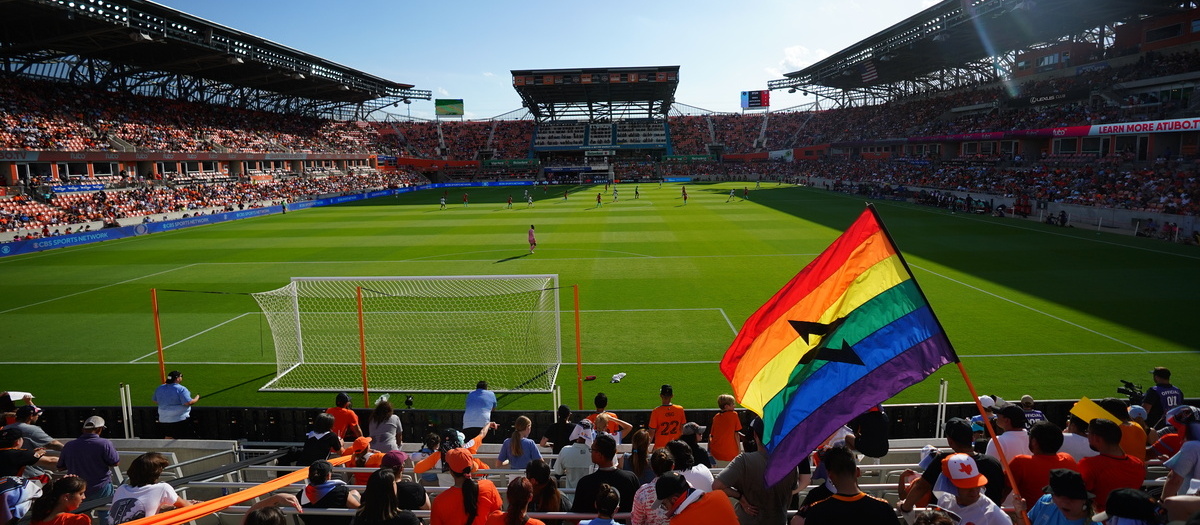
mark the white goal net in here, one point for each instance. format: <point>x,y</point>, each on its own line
<point>421,334</point>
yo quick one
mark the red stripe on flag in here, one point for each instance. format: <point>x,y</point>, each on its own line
<point>820,269</point>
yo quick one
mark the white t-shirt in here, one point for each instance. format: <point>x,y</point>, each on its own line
<point>131,503</point>
<point>1186,462</point>
<point>699,477</point>
<point>1077,446</point>
<point>1015,443</point>
<point>574,462</point>
<point>982,512</point>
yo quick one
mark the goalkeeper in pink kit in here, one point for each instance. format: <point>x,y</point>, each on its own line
<point>532,239</point>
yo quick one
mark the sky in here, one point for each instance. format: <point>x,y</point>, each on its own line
<point>467,50</point>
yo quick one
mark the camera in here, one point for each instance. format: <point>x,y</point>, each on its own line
<point>1132,391</point>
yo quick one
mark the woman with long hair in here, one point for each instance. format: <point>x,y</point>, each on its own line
<point>520,491</point>
<point>469,501</point>
<point>57,501</point>
<point>519,450</point>
<point>142,495</point>
<point>545,496</point>
<point>637,460</point>
<point>384,427</point>
<point>380,505</point>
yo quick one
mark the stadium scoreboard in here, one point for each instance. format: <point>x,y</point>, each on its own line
<point>756,99</point>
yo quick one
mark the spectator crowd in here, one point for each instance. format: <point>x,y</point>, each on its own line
<point>1092,469</point>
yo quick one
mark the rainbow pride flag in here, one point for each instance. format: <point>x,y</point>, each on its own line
<point>850,331</point>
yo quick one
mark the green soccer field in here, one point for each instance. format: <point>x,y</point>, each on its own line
<point>1032,309</point>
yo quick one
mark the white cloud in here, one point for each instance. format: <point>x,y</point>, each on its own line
<point>442,91</point>
<point>796,58</point>
<point>488,74</point>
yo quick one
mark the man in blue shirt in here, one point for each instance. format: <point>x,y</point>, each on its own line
<point>1161,397</point>
<point>478,413</point>
<point>174,406</point>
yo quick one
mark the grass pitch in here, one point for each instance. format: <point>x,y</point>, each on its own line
<point>1032,309</point>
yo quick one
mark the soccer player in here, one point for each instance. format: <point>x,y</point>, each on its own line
<point>532,239</point>
<point>466,200</point>
<point>745,193</point>
<point>598,202</point>
<point>510,202</point>
<point>614,195</point>
<point>528,200</point>
<point>731,190</point>
<point>443,203</point>
<point>636,194</point>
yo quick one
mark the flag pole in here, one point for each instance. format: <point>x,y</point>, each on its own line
<point>966,379</point>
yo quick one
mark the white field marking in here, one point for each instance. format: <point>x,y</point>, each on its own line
<point>722,310</point>
<point>730,323</point>
<point>964,356</point>
<point>968,217</point>
<point>197,334</point>
<point>638,256</point>
<point>155,363</point>
<point>96,288</point>
<point>1027,307</point>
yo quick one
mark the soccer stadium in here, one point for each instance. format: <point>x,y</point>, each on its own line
<point>977,235</point>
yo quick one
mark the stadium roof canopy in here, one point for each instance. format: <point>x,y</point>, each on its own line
<point>597,93</point>
<point>131,43</point>
<point>958,34</point>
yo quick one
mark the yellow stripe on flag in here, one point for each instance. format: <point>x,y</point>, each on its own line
<point>774,375</point>
<point>780,334</point>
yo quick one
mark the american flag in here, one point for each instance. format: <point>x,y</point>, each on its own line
<point>868,71</point>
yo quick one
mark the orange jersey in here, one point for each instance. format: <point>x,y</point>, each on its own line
<point>343,418</point>
<point>723,438</point>
<point>667,422</point>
